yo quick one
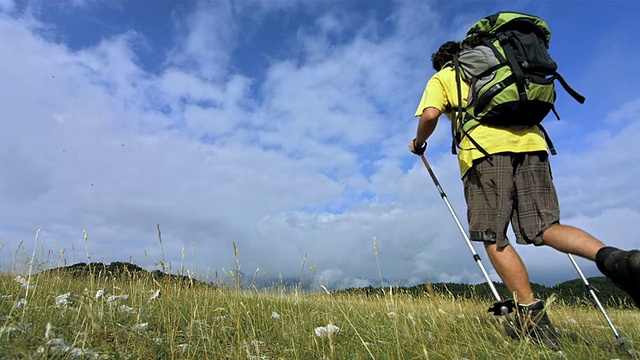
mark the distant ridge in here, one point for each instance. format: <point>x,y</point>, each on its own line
<point>119,269</point>
<point>572,292</point>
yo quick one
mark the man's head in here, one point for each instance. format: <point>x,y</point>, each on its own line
<point>444,54</point>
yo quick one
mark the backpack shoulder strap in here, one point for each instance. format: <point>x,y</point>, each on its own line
<point>458,112</point>
<point>515,67</point>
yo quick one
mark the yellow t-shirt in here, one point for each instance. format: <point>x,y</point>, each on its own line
<point>441,93</point>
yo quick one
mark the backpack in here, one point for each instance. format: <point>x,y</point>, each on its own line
<point>505,61</point>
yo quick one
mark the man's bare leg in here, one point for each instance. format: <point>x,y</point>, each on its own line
<point>622,267</point>
<point>511,270</point>
<point>569,239</point>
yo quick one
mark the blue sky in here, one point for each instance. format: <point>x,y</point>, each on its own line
<point>281,126</point>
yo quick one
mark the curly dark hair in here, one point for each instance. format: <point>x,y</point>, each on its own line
<point>444,54</point>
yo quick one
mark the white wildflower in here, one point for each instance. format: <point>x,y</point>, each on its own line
<point>158,340</point>
<point>113,298</point>
<point>24,282</point>
<point>442,312</point>
<point>413,322</point>
<point>140,326</point>
<point>275,315</point>
<point>573,321</point>
<point>20,304</point>
<point>391,314</point>
<point>21,327</point>
<point>80,353</point>
<point>101,293</point>
<point>56,345</point>
<point>7,329</point>
<point>125,308</point>
<point>461,316</point>
<point>65,299</point>
<point>155,296</point>
<point>326,330</point>
<point>59,346</point>
<point>6,297</point>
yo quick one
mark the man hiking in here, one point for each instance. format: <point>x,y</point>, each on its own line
<point>507,180</point>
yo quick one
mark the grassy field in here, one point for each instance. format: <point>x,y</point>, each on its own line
<point>104,314</point>
<point>142,318</point>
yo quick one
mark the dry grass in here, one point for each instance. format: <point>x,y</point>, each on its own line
<point>168,320</point>
<point>226,323</point>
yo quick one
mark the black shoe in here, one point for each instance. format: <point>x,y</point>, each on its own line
<point>537,325</point>
<point>623,268</point>
<point>512,329</point>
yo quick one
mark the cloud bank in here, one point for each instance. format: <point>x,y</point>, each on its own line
<point>295,153</point>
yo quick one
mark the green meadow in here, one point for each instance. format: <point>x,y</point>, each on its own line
<point>50,313</point>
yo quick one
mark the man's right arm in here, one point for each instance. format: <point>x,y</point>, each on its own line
<point>432,102</point>
<point>427,124</point>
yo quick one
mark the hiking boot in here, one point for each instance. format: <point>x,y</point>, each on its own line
<point>512,329</point>
<point>535,323</point>
<point>623,268</point>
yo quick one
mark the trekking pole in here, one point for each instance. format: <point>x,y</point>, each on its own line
<point>591,291</point>
<point>500,307</point>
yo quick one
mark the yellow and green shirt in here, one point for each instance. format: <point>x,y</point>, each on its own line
<point>441,93</point>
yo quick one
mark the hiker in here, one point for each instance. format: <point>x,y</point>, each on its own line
<point>507,179</point>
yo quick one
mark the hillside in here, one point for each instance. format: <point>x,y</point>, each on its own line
<point>572,292</point>
<point>120,270</point>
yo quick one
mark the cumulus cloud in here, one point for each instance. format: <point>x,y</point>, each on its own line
<point>305,162</point>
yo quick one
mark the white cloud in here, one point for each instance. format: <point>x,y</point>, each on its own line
<point>206,37</point>
<point>311,159</point>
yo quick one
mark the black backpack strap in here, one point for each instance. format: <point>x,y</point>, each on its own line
<point>475,143</point>
<point>515,67</point>
<point>574,94</point>
<point>456,113</point>
<point>552,149</point>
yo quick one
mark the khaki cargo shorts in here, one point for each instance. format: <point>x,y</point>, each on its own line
<point>514,188</point>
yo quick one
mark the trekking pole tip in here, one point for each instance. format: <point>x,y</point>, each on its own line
<point>622,343</point>
<point>620,340</point>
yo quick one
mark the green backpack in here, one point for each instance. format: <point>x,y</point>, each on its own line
<point>505,61</point>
